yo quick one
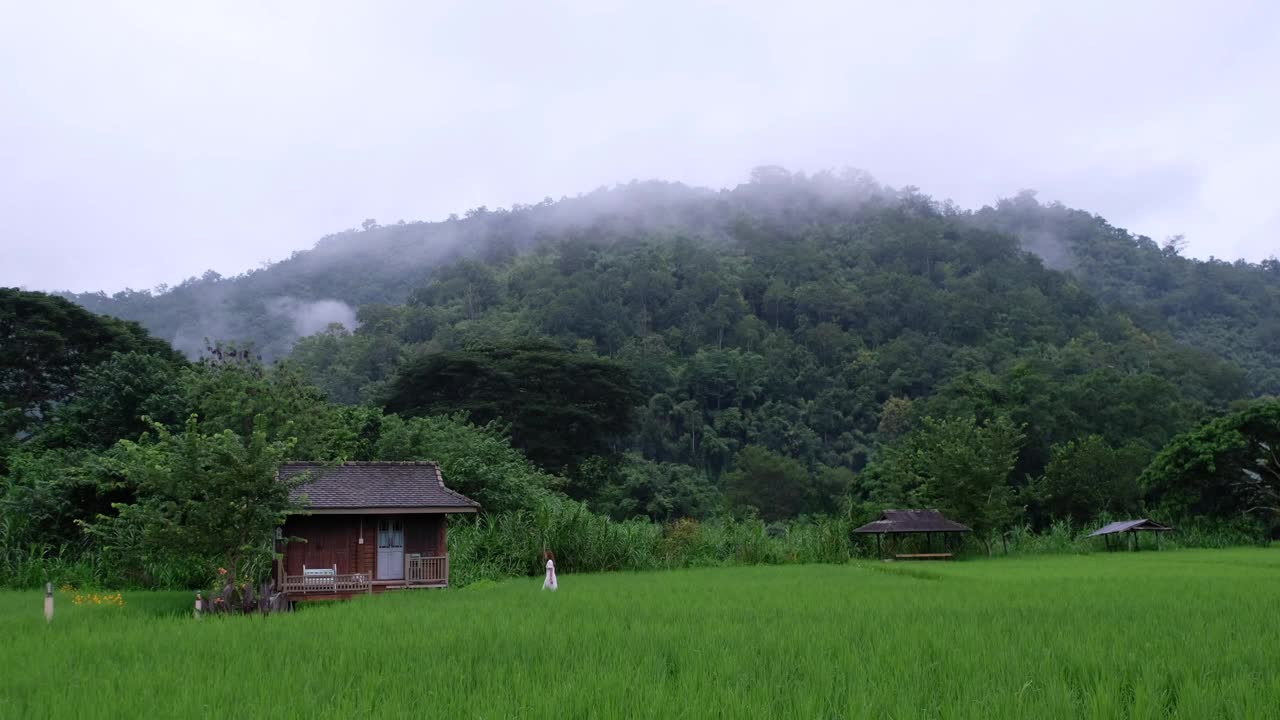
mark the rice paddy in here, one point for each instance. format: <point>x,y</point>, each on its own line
<point>1185,634</point>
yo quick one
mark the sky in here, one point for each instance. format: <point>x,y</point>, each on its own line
<point>142,143</point>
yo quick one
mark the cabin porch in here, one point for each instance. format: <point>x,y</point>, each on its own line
<point>340,556</point>
<point>327,583</point>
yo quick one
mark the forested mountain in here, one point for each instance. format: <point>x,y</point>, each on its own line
<point>814,320</point>
<point>794,348</point>
<point>1229,308</point>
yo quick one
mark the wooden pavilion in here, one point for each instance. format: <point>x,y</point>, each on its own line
<point>895,523</point>
<point>1132,527</point>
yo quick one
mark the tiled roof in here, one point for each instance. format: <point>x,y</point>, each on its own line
<point>357,485</point>
<point>912,521</point>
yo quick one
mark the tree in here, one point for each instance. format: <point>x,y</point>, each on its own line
<point>114,400</point>
<point>1225,467</point>
<point>561,407</point>
<point>477,461</point>
<point>1086,477</point>
<point>233,390</point>
<point>46,343</point>
<point>774,486</point>
<point>658,491</point>
<point>960,467</point>
<point>209,497</point>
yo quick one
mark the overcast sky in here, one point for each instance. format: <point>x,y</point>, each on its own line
<point>142,143</point>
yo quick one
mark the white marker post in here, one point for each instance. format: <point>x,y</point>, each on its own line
<point>48,602</point>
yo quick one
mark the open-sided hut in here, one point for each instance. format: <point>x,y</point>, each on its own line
<point>895,523</point>
<point>1132,527</point>
<point>366,527</point>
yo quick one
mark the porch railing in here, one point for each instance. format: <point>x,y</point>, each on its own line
<point>426,570</point>
<point>327,580</point>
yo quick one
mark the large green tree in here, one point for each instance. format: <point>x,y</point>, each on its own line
<point>1088,476</point>
<point>561,407</point>
<point>1227,467</point>
<point>46,344</point>
<point>775,486</point>
<point>210,497</point>
<point>959,466</point>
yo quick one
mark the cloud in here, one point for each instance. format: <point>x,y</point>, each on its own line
<point>311,317</point>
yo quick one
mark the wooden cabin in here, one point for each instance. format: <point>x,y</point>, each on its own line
<point>366,527</point>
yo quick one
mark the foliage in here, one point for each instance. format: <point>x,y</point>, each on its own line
<point>1087,476</point>
<point>114,398</point>
<point>235,391</point>
<point>1225,467</point>
<point>477,461</point>
<point>561,408</point>
<point>46,342</point>
<point>659,491</point>
<point>200,494</point>
<point>775,486</point>
<point>959,466</point>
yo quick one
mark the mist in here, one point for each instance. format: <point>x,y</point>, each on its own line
<point>309,318</point>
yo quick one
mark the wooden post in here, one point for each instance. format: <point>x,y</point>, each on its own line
<point>879,552</point>
<point>48,602</point>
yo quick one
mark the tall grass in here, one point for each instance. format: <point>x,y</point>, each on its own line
<point>502,545</point>
<point>507,544</point>
<point>1154,635</point>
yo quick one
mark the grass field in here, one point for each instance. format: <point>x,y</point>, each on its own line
<point>1187,634</point>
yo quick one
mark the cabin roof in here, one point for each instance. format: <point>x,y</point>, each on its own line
<point>912,521</point>
<point>375,487</point>
<point>1139,525</point>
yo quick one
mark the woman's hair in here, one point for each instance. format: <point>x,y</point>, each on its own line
<point>548,555</point>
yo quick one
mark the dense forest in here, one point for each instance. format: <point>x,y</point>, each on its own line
<point>795,347</point>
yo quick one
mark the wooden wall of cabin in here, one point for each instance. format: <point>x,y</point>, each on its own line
<point>424,534</point>
<point>330,540</point>
<point>335,540</point>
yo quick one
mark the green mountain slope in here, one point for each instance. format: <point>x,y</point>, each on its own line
<point>817,319</point>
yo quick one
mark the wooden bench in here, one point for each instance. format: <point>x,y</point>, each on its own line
<point>320,578</point>
<point>924,556</point>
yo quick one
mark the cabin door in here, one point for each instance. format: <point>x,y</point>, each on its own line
<point>390,549</point>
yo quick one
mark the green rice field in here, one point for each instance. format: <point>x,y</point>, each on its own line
<point>1181,634</point>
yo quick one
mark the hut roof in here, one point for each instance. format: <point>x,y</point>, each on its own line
<point>375,487</point>
<point>912,521</point>
<point>1140,525</point>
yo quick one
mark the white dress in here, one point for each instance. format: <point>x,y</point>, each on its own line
<point>550,582</point>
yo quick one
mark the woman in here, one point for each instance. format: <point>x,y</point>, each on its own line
<point>550,582</point>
